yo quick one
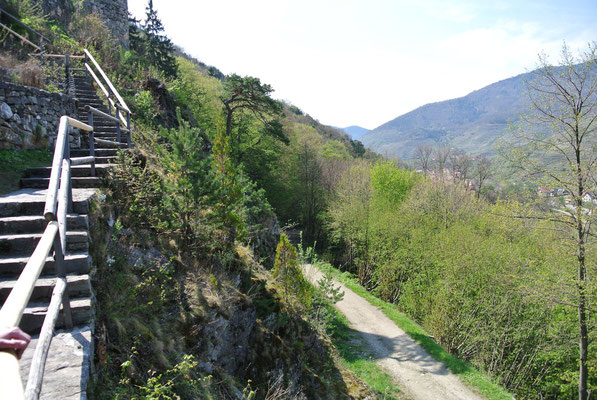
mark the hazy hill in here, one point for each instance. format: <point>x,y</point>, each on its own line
<point>355,132</point>
<point>471,123</point>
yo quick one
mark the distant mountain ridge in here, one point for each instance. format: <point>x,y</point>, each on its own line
<point>355,132</point>
<point>471,123</point>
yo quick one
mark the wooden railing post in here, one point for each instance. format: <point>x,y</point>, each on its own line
<point>117,124</point>
<point>67,73</point>
<point>84,64</point>
<point>69,188</point>
<point>61,273</point>
<point>91,140</point>
<point>128,126</point>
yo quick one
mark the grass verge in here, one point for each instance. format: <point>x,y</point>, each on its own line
<point>14,162</point>
<point>463,369</point>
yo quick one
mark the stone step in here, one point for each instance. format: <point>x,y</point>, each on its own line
<point>32,202</point>
<point>105,160</point>
<point>76,171</point>
<point>34,314</point>
<point>67,368</point>
<point>78,286</point>
<point>75,263</point>
<point>84,97</point>
<point>97,120</point>
<point>111,143</point>
<point>37,223</point>
<point>82,84</point>
<point>105,128</point>
<point>24,243</point>
<point>82,110</point>
<point>102,134</point>
<point>77,182</point>
<point>113,137</point>
<point>95,103</point>
<point>99,152</point>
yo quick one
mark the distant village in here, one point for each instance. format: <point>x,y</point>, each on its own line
<point>589,197</point>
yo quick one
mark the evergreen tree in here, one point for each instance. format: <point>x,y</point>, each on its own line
<point>159,47</point>
<point>249,94</point>
<point>292,285</point>
<point>148,40</point>
<point>136,42</point>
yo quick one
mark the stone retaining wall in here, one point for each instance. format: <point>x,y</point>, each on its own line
<point>29,117</point>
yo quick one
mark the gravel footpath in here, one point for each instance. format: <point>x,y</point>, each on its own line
<point>420,375</point>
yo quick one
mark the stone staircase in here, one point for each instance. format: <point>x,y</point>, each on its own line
<point>21,226</point>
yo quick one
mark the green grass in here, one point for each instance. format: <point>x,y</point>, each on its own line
<point>13,164</point>
<point>461,368</point>
<point>355,356</point>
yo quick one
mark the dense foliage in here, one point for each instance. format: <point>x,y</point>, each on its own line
<point>484,285</point>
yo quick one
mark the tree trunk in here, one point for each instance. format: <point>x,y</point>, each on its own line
<point>582,321</point>
<point>228,120</point>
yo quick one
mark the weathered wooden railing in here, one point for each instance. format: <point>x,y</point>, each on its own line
<point>58,203</point>
<point>123,113</point>
<point>41,37</point>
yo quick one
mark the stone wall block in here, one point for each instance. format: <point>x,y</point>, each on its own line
<point>29,117</point>
<point>5,111</point>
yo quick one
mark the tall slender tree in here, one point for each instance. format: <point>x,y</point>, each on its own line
<point>557,147</point>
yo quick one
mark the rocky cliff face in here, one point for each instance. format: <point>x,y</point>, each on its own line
<point>113,12</point>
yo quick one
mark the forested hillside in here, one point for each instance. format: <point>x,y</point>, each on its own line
<point>471,123</point>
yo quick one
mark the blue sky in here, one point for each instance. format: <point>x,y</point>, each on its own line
<point>349,62</point>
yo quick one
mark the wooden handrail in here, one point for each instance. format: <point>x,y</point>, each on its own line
<point>24,25</point>
<point>105,91</point>
<point>99,83</point>
<point>103,74</point>
<point>21,37</point>
<point>61,143</point>
<point>82,160</point>
<point>38,363</point>
<point>54,237</point>
<point>15,304</point>
<point>61,56</point>
<point>102,114</point>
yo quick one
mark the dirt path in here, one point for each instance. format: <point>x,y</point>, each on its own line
<point>419,374</point>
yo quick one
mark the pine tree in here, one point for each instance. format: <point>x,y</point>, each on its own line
<point>293,287</point>
<point>159,47</point>
<point>148,40</point>
<point>228,191</point>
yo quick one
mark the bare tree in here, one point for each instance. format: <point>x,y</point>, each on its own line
<point>440,158</point>
<point>422,155</point>
<point>461,166</point>
<point>482,171</point>
<point>557,147</point>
